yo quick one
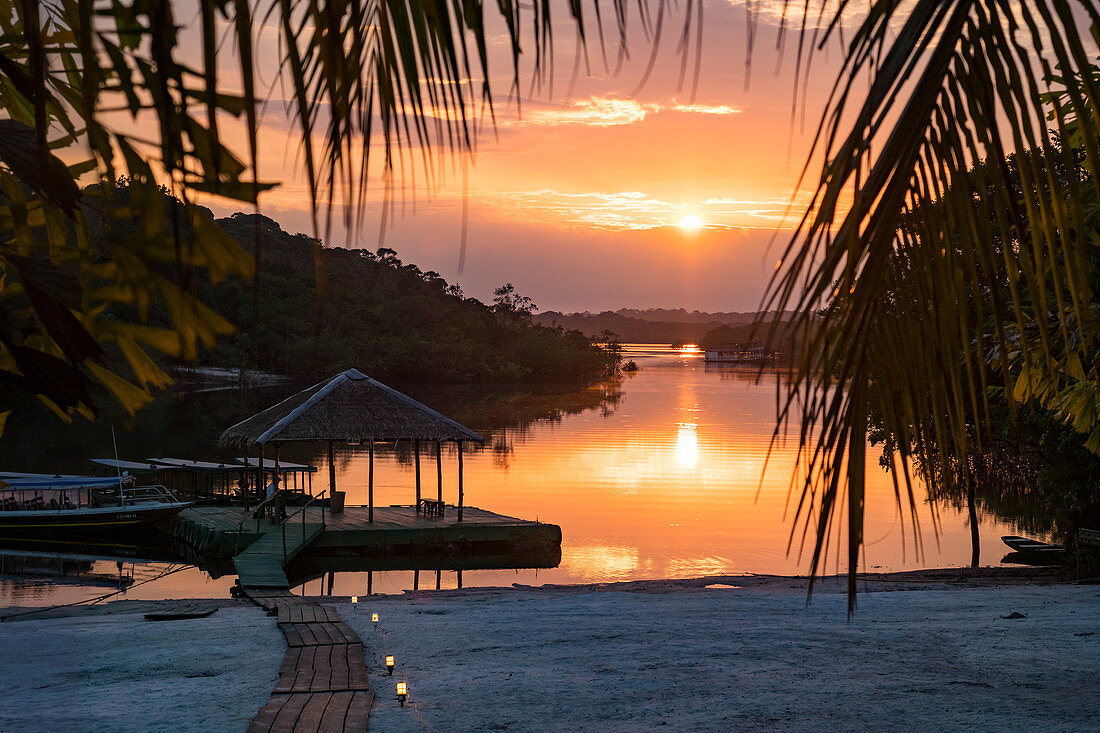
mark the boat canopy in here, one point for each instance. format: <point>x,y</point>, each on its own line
<point>45,481</point>
<point>20,474</point>
<point>284,466</point>
<point>133,466</point>
<point>197,466</point>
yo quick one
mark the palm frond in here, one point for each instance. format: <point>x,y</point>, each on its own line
<point>938,187</point>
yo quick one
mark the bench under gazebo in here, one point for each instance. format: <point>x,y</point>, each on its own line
<point>354,409</point>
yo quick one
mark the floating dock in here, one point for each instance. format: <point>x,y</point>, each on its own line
<point>260,549</point>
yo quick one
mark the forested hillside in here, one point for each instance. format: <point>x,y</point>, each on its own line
<point>382,316</point>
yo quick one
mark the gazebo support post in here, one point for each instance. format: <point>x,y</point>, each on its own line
<point>439,469</point>
<point>459,444</point>
<point>261,484</point>
<point>279,511</point>
<point>416,460</point>
<point>331,468</point>
<point>370,483</point>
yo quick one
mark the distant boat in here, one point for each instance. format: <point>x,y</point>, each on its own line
<point>44,504</point>
<point>747,353</point>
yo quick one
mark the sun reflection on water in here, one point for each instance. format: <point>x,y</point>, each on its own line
<point>599,562</point>
<point>687,444</point>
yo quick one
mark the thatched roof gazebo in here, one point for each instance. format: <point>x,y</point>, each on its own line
<point>353,408</point>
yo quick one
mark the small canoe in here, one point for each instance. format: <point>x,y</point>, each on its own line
<point>1035,547</point>
<point>175,614</point>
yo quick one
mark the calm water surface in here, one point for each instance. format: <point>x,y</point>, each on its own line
<point>660,477</point>
<point>664,482</point>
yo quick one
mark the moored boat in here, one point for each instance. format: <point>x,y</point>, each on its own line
<point>1027,546</point>
<point>40,504</point>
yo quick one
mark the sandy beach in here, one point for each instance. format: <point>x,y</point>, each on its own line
<point>924,651</point>
<point>105,668</point>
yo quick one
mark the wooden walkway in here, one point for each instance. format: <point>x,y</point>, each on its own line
<point>260,565</point>
<point>322,682</point>
<point>323,679</point>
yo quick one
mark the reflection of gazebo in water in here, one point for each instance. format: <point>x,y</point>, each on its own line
<point>353,408</point>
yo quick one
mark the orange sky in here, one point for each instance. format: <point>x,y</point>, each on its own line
<point>577,201</point>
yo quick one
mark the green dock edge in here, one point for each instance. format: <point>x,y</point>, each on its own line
<point>209,542</point>
<point>215,543</point>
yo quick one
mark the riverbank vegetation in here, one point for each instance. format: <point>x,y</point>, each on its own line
<point>953,307</point>
<point>650,326</point>
<point>959,285</point>
<point>388,318</point>
<point>1029,449</point>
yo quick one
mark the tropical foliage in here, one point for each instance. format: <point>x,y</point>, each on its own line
<point>1019,442</point>
<point>897,265</point>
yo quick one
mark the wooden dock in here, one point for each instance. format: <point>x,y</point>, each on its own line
<point>260,565</point>
<point>257,547</point>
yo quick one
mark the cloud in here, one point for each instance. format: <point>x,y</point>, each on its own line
<point>706,109</point>
<point>594,111</point>
<point>634,210</point>
<point>815,16</point>
<point>607,112</point>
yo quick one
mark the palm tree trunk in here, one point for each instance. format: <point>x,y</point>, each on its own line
<point>975,546</point>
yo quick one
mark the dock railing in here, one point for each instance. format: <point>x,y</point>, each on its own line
<point>302,511</point>
<point>270,501</point>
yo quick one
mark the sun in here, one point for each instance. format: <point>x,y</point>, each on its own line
<point>691,222</point>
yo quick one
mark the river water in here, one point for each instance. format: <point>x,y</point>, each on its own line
<point>660,475</point>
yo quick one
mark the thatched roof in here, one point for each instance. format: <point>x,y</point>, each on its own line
<point>348,407</point>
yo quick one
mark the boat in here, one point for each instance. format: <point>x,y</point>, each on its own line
<point>749,353</point>
<point>1026,546</point>
<point>41,504</point>
<point>177,614</point>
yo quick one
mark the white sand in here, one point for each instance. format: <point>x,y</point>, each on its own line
<point>725,660</point>
<point>626,658</point>
<point>119,672</point>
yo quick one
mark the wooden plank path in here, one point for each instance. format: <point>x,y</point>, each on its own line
<point>260,565</point>
<point>322,683</point>
<point>323,679</point>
